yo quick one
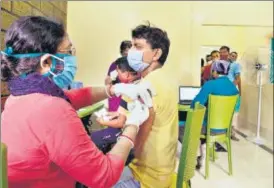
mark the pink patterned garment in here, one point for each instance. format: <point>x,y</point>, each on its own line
<point>48,145</point>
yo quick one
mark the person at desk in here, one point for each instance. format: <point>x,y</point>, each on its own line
<point>47,143</point>
<point>219,85</point>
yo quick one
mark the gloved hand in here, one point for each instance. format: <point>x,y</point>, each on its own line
<point>147,92</point>
<point>138,114</point>
<point>142,90</point>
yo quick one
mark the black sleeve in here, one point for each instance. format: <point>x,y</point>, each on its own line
<point>123,104</point>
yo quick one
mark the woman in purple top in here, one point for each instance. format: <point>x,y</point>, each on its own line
<point>113,103</point>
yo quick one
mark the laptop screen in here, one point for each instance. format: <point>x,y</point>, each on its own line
<point>188,93</point>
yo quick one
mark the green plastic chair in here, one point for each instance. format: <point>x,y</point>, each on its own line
<point>220,114</point>
<point>86,111</point>
<point>191,142</point>
<point>3,172</point>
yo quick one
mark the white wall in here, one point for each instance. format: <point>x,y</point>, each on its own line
<point>97,28</point>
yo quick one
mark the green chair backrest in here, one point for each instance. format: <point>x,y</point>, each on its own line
<point>3,169</point>
<point>191,141</point>
<point>220,111</point>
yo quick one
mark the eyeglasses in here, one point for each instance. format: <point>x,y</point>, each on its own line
<point>71,51</point>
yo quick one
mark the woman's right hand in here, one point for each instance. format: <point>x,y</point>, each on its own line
<point>139,113</point>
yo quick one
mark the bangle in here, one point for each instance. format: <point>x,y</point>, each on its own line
<point>106,90</point>
<point>128,138</point>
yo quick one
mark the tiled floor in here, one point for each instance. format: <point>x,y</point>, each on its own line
<point>252,168</point>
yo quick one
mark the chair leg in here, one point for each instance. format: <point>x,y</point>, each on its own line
<point>189,184</point>
<point>207,159</point>
<point>229,156</point>
<point>213,152</point>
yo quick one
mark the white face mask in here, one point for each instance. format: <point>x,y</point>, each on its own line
<point>135,60</point>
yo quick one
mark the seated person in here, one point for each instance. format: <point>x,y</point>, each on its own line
<point>104,139</point>
<point>155,147</point>
<point>219,85</point>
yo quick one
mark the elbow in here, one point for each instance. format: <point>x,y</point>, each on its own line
<point>114,169</point>
<point>109,172</point>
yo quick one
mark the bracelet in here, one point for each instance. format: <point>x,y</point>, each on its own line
<point>128,138</point>
<point>106,90</point>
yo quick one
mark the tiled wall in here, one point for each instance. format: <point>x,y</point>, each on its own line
<point>11,10</point>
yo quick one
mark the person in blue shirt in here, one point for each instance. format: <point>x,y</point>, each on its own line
<point>234,75</point>
<point>219,85</point>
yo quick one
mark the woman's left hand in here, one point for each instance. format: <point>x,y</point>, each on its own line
<point>142,91</point>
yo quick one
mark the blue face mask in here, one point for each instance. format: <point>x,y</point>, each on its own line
<point>135,60</point>
<point>62,70</point>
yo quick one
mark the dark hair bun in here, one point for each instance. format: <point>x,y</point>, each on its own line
<point>29,34</point>
<point>5,69</point>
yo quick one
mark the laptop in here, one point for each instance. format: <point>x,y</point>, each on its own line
<point>187,94</point>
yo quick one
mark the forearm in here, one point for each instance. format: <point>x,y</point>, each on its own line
<point>99,94</point>
<point>87,96</point>
<point>123,145</point>
<point>240,88</point>
<point>78,156</point>
<point>239,84</point>
<point>107,80</point>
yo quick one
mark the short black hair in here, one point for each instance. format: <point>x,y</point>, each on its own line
<point>125,45</point>
<point>123,65</point>
<point>156,37</point>
<point>225,48</point>
<point>234,53</point>
<point>202,62</point>
<point>208,55</point>
<point>214,51</point>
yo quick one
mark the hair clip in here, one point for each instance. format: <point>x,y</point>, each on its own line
<point>8,50</point>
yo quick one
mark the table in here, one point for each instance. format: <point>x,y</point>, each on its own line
<point>183,107</point>
<point>182,113</point>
